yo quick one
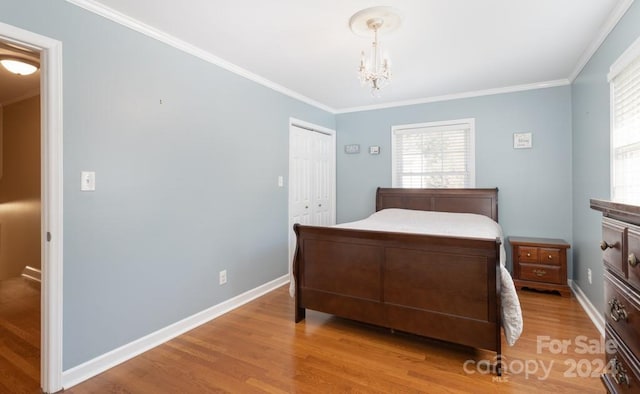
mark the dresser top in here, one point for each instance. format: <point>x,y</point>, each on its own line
<point>625,212</point>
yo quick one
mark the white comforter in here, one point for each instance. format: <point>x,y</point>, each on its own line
<point>452,224</point>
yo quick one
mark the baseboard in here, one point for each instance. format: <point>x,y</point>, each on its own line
<point>93,367</point>
<point>594,314</point>
<point>31,273</point>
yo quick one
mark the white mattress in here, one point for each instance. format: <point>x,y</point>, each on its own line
<point>453,224</point>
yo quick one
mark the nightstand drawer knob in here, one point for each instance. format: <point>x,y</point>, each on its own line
<point>540,272</point>
<point>617,311</point>
<point>604,245</point>
<point>550,257</point>
<point>528,254</point>
<point>632,260</point>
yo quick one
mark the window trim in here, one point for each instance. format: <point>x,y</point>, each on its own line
<point>624,60</point>
<point>468,122</point>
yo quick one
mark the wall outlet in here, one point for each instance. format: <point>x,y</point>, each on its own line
<point>223,277</point>
<point>589,276</point>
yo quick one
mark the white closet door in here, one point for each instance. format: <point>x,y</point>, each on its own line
<point>311,180</point>
<point>300,187</point>
<point>322,187</point>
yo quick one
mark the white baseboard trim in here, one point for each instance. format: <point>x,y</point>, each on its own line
<point>32,274</point>
<point>93,367</point>
<point>594,314</point>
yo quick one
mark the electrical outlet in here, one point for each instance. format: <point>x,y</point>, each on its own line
<point>223,277</point>
<point>589,276</point>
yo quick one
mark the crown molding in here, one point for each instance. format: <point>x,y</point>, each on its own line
<point>140,27</point>
<point>608,26</point>
<point>477,93</point>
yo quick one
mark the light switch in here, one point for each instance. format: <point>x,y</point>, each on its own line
<point>88,181</point>
<point>280,181</point>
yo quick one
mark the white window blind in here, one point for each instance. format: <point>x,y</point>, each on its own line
<point>625,132</point>
<point>434,155</point>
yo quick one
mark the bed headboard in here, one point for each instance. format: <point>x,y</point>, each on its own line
<point>479,201</point>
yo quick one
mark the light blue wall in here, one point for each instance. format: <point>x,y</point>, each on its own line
<point>184,189</point>
<point>534,184</point>
<point>590,139</point>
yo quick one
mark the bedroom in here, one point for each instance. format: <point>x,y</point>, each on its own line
<point>139,250</point>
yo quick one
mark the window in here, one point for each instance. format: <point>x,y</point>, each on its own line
<point>433,155</point>
<point>624,77</point>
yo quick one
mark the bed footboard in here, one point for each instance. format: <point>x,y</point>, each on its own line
<point>445,288</point>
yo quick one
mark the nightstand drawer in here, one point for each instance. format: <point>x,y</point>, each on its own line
<point>527,254</point>
<point>549,256</point>
<point>540,273</point>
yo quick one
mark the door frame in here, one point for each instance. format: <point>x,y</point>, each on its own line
<point>293,122</point>
<point>51,199</point>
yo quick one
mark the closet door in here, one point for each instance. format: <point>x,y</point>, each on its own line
<point>322,179</point>
<point>311,179</point>
<point>300,176</point>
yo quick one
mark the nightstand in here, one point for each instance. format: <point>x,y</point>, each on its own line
<point>540,263</point>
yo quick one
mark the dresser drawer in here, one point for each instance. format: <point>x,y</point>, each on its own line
<point>614,234</point>
<point>633,256</point>
<point>622,312</point>
<point>621,374</point>
<point>540,273</point>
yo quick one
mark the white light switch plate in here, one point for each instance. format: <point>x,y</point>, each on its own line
<point>88,181</point>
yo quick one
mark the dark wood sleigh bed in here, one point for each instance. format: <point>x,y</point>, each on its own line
<point>440,287</point>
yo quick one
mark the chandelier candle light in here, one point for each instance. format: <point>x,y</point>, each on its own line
<point>374,70</point>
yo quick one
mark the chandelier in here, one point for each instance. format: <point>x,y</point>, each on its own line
<point>374,70</point>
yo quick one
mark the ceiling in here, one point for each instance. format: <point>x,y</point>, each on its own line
<point>442,49</point>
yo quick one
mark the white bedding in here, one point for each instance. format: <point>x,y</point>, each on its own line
<point>452,224</point>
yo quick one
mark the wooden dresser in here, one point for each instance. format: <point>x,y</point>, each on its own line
<point>621,253</point>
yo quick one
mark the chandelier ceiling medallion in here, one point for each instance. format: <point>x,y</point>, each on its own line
<point>375,69</point>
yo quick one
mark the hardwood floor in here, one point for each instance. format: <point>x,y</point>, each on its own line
<point>258,348</point>
<point>19,336</point>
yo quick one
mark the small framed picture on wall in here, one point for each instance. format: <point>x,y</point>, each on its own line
<point>522,141</point>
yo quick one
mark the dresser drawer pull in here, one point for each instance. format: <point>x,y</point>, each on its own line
<point>632,260</point>
<point>618,372</point>
<point>540,272</point>
<point>617,310</point>
<point>604,245</point>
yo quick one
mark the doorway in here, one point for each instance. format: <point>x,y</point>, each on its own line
<point>312,179</point>
<point>20,213</point>
<point>50,233</point>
